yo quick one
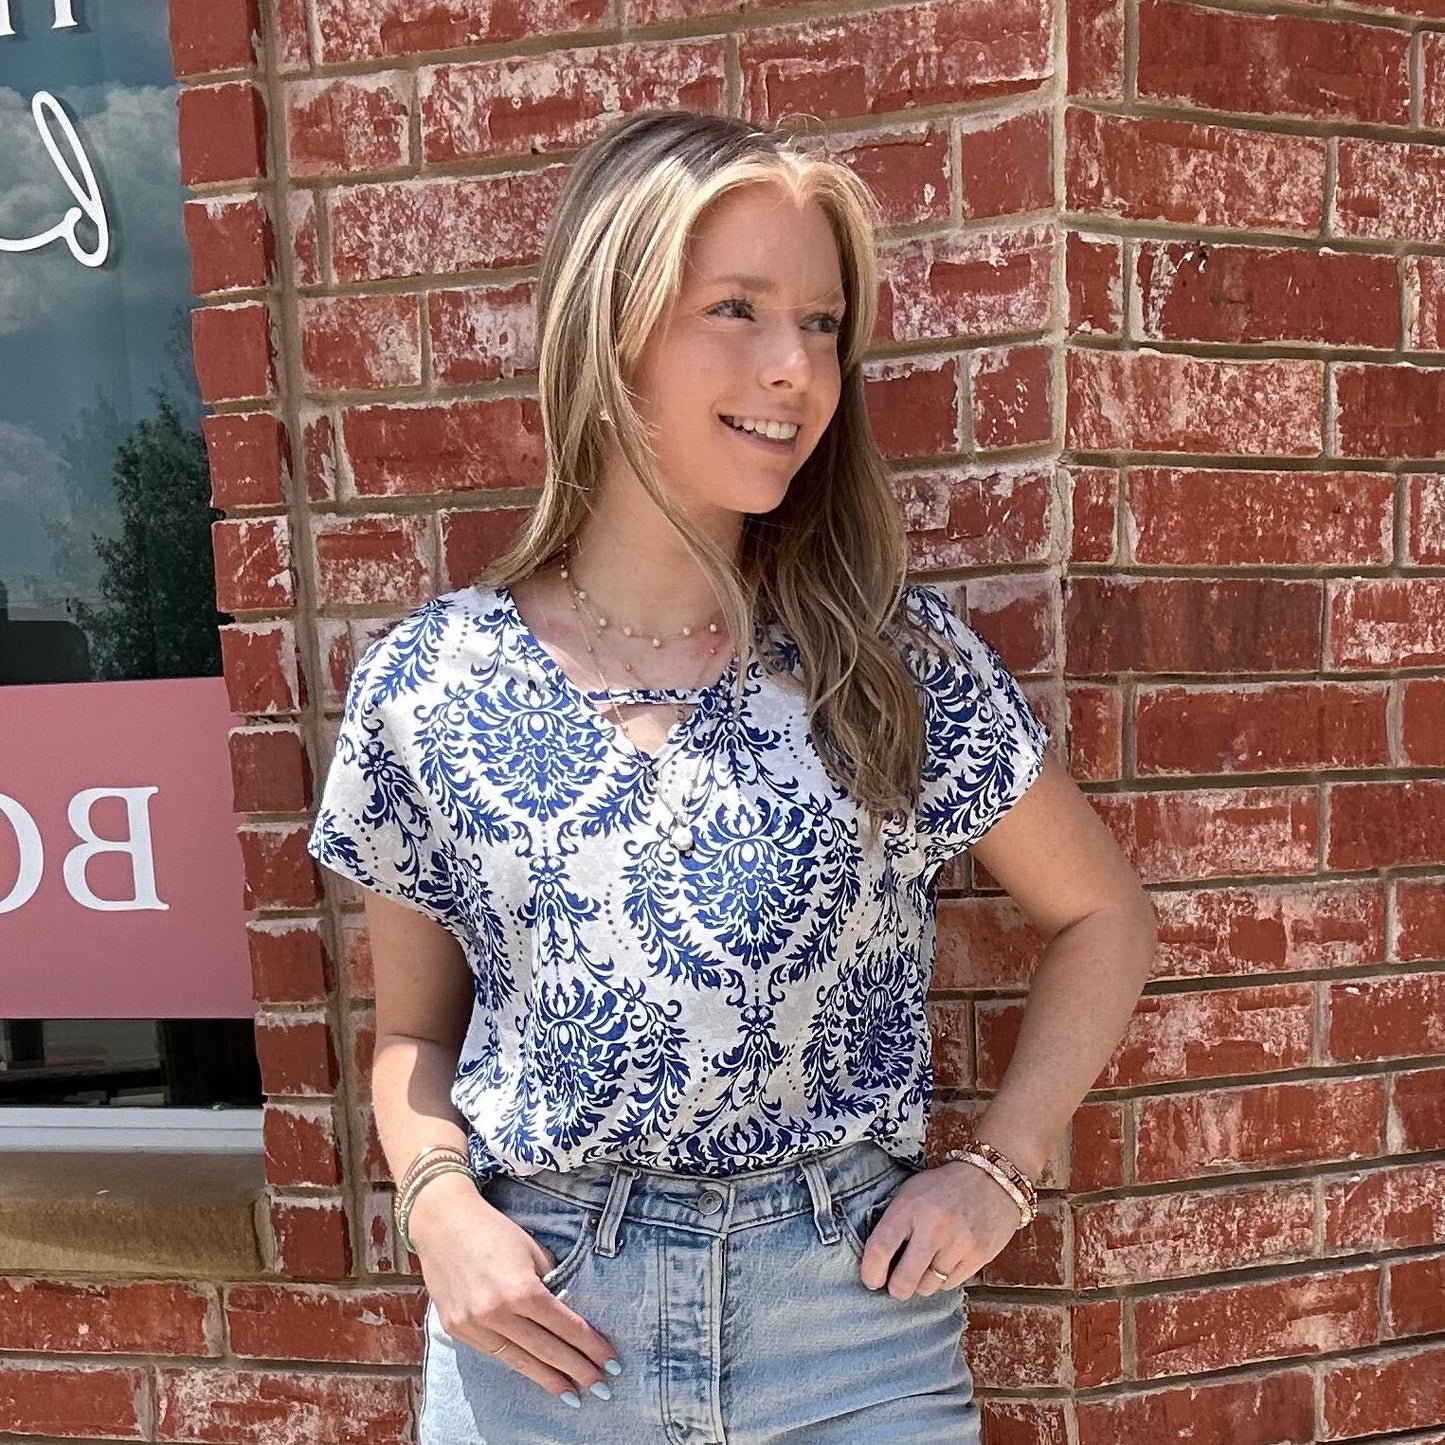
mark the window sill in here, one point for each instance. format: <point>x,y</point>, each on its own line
<point>158,1215</point>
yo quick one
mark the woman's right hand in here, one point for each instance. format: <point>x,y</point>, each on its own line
<point>484,1275</point>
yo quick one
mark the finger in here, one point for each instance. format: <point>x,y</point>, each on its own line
<point>553,1352</point>
<point>911,1270</point>
<point>882,1244</point>
<point>516,1356</point>
<point>562,1320</point>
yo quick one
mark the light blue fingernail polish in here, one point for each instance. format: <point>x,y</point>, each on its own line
<point>571,1399</point>
<point>613,1367</point>
<point>601,1390</point>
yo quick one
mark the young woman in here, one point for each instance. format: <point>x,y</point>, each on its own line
<point>650,821</point>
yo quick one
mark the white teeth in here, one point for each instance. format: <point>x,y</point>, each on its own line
<point>779,431</point>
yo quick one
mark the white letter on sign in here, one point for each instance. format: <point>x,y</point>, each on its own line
<point>64,16</point>
<point>138,846</point>
<point>32,855</point>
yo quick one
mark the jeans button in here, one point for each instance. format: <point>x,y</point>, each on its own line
<point>710,1201</point>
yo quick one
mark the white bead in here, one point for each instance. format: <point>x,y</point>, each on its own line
<point>627,632</point>
<point>712,627</point>
<point>682,839</point>
<point>687,632</point>
<point>602,622</point>
<point>657,642</point>
<point>581,594</point>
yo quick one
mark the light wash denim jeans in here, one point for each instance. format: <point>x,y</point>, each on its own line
<point>735,1307</point>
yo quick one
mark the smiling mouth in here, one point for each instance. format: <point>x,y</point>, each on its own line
<point>784,444</point>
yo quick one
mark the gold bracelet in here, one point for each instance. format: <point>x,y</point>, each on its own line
<point>440,1151</point>
<point>401,1209</point>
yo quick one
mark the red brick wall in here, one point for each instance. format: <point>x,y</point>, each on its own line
<point>1160,369</point>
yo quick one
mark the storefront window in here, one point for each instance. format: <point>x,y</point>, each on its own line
<point>105,552</point>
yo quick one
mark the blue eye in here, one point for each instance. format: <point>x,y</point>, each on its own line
<point>835,323</point>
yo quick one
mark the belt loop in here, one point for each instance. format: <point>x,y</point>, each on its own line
<point>824,1220</point>
<point>617,1195</point>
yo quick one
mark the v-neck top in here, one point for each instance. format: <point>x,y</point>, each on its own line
<point>733,1006</point>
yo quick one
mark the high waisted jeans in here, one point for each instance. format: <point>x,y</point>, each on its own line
<point>735,1307</point>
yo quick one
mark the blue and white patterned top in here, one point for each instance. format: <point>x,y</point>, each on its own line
<point>731,1007</point>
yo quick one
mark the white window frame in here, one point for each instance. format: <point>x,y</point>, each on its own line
<point>95,1129</point>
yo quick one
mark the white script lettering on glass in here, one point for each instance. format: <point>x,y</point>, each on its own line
<point>137,844</point>
<point>64,17</point>
<point>46,109</point>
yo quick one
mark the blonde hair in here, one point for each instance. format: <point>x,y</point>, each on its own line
<point>829,563</point>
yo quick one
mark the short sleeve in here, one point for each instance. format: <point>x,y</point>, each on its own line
<point>984,744</point>
<point>374,824</point>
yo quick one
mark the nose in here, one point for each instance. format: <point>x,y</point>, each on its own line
<point>786,358</point>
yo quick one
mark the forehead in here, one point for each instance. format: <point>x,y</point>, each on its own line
<point>763,233</point>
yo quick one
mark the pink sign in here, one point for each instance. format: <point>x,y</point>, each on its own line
<point>121,885</point>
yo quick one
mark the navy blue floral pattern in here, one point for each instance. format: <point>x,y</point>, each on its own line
<point>725,1008</point>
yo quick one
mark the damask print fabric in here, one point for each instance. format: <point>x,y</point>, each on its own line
<point>725,1008</point>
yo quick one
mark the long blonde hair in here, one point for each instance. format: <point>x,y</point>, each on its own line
<point>829,563</point>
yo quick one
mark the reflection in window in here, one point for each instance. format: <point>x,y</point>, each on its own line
<point>106,569</point>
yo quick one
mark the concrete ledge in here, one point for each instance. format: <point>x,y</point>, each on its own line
<point>183,1216</point>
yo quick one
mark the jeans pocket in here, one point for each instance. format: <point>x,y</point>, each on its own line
<point>563,1227</point>
<point>857,1213</point>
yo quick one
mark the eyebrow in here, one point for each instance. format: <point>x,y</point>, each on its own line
<point>762,284</point>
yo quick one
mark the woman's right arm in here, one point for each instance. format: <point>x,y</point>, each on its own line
<point>482,1271</point>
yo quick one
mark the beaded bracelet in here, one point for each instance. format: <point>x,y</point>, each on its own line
<point>1004,1172</point>
<point>401,1209</point>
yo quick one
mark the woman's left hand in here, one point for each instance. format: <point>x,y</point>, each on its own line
<point>954,1217</point>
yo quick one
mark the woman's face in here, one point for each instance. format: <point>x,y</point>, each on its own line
<point>753,339</point>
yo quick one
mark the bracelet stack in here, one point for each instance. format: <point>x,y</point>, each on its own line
<point>432,1161</point>
<point>1001,1168</point>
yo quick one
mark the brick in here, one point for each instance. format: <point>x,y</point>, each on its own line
<point>1096,1344</point>
<point>1012,390</point>
<point>1419,920</point>
<point>1196,175</point>
<point>279,872</point>
<point>977,285</point>
<point>304,238</point>
<point>845,65</point>
<point>222,130</point>
<point>381,28</point>
<point>1014,1346</point>
<point>560,101</point>
<point>1430,9</point>
<point>1417,1296</point>
<point>1184,517</point>
<point>322,459</point>
<point>1269,928</point>
<point>1016,613</point>
<point>906,167</point>
<point>93,1317</point>
<point>1422,723</point>
<point>1386,1018</point>
<point>295,1053</point>
<point>261,670</point>
<point>305,1322</point>
<point>302,1146</point>
<point>1393,190</point>
<point>1171,1236</point>
<point>42,1397</point>
<point>913,405</point>
<point>359,343</point>
<point>312,1243</point>
<point>232,244</point>
<point>1023,1422</point>
<point>348,123</point>
<point>983,943</point>
<point>269,769</point>
<point>1272,64</point>
<point>250,459</point>
<point>977,519</point>
<point>1425,292</point>
<point>1432,88</point>
<point>1389,1208</point>
<point>472,540</point>
<point>453,447</point>
<point>1210,833</point>
<point>1096,733</point>
<point>1383,1392</point>
<point>1097,1149</point>
<point>482,333</point>
<point>290,36</point>
<point>234,352</point>
<point>440,227</point>
<point>253,564</point>
<point>1389,411</point>
<point>1387,825</point>
<point>1276,1409</point>
<point>373,561</point>
<point>1387,622</point>
<point>950,1024</point>
<point>229,1406</point>
<point>1094,275</point>
<point>1147,401</point>
<point>1268,1126</point>
<point>1177,624</point>
<point>211,35</point>
<point>288,960</point>
<point>1425,521</point>
<point>1093,513</point>
<point>1259,728</point>
<point>1007,166</point>
<point>1196,1331</point>
<point>1193,292</point>
<point>1095,48</point>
